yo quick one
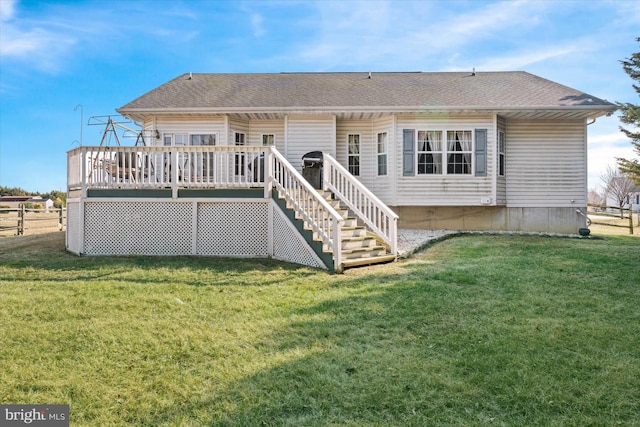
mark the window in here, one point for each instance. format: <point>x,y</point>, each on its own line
<point>208,139</point>
<point>459,149</point>
<point>239,157</point>
<point>176,139</point>
<point>429,152</point>
<point>501,151</point>
<point>353,154</point>
<point>382,153</point>
<point>268,140</point>
<point>441,152</point>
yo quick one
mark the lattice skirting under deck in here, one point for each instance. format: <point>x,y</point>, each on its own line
<point>247,228</point>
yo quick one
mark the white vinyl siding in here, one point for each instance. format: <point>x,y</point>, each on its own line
<point>546,163</point>
<point>258,128</point>
<point>309,133</point>
<point>445,189</point>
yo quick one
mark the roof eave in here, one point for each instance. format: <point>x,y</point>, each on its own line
<point>585,111</point>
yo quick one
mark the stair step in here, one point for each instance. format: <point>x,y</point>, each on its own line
<point>372,251</point>
<point>359,262</point>
<point>357,231</point>
<point>358,242</point>
<point>355,243</point>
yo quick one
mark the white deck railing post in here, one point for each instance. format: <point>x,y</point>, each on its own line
<point>174,172</point>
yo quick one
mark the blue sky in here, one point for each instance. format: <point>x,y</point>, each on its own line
<point>55,55</point>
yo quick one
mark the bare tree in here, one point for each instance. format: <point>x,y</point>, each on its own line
<point>595,198</point>
<point>617,186</point>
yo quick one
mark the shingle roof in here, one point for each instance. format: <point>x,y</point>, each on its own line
<point>417,90</point>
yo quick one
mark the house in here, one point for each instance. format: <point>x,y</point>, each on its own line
<point>14,202</point>
<point>221,159</point>
<point>632,197</point>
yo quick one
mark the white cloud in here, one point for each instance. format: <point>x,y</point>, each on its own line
<point>256,25</point>
<point>521,60</point>
<point>602,152</point>
<point>7,9</point>
<point>31,42</point>
<point>422,35</point>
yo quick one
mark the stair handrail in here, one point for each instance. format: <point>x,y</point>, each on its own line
<point>315,211</point>
<point>366,205</point>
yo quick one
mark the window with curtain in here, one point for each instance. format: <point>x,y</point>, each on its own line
<point>382,153</point>
<point>429,152</point>
<point>459,150</point>
<point>353,154</point>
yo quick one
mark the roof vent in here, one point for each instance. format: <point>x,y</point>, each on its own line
<point>473,73</point>
<point>369,74</point>
<point>190,75</point>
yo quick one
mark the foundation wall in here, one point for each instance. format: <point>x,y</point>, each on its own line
<point>491,218</point>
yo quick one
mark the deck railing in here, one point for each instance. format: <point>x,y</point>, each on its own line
<point>166,167</point>
<point>371,210</point>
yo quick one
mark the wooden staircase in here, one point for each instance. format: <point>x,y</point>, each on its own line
<point>360,247</point>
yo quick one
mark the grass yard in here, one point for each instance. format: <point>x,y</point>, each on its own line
<point>475,330</point>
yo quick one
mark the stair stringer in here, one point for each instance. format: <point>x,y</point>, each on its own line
<point>292,242</point>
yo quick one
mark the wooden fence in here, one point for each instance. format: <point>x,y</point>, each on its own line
<point>613,212</point>
<point>21,221</point>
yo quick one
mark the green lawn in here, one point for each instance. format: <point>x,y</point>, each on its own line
<point>475,330</point>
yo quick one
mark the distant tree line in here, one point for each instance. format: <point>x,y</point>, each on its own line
<point>59,198</point>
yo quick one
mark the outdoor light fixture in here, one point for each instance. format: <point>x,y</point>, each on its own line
<point>157,134</point>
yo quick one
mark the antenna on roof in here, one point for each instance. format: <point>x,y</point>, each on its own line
<point>369,74</point>
<point>473,73</point>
